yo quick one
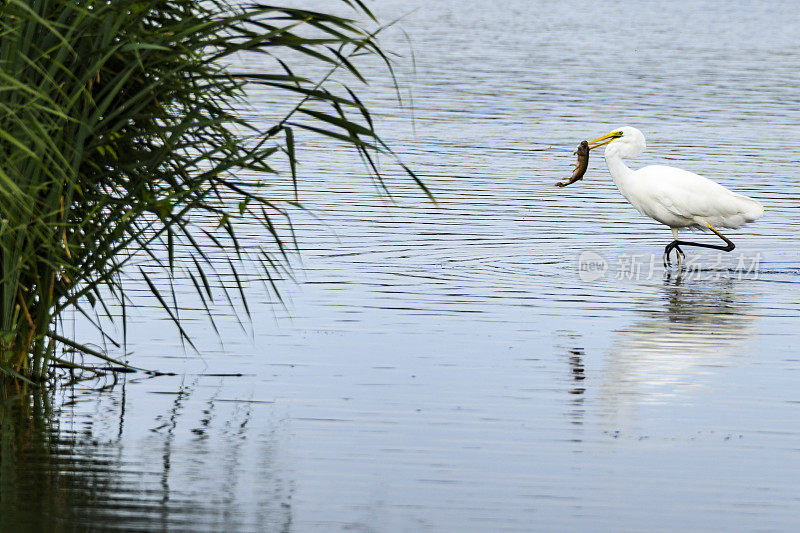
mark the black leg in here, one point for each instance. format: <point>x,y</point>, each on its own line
<point>728,247</point>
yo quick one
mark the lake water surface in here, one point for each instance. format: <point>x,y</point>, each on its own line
<point>450,368</point>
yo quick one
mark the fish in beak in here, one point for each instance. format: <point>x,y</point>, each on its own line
<point>580,166</point>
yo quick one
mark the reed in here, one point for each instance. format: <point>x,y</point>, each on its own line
<point>121,135</point>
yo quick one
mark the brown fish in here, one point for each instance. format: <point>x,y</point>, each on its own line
<point>580,166</point>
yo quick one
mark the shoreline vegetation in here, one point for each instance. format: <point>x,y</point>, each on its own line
<point>121,137</point>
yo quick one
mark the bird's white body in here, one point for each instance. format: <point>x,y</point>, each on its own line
<point>677,198</point>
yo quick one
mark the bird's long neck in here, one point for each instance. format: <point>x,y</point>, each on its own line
<point>620,173</point>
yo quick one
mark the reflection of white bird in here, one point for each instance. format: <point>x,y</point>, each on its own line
<point>667,352</point>
<point>672,196</point>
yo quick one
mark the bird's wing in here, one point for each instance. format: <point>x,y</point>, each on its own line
<point>694,197</point>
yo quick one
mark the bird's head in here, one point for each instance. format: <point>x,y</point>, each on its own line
<point>625,142</point>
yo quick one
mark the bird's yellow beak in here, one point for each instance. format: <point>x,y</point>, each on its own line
<point>607,138</point>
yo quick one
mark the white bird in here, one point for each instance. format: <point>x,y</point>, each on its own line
<point>675,197</point>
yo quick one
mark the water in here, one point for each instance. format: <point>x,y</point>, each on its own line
<point>448,368</point>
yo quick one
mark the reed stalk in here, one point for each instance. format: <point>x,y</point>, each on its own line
<point>121,134</point>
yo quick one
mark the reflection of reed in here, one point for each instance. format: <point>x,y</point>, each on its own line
<point>578,375</point>
<point>38,481</point>
<point>670,347</point>
<point>82,479</point>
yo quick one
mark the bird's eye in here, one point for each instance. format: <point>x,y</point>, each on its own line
<point>617,134</point>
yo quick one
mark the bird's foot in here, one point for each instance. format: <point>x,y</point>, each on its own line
<point>665,257</point>
<point>678,253</point>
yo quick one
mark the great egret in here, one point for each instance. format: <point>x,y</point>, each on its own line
<point>672,196</point>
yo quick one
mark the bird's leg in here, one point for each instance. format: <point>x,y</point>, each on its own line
<point>678,250</point>
<point>729,246</point>
<point>673,245</point>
